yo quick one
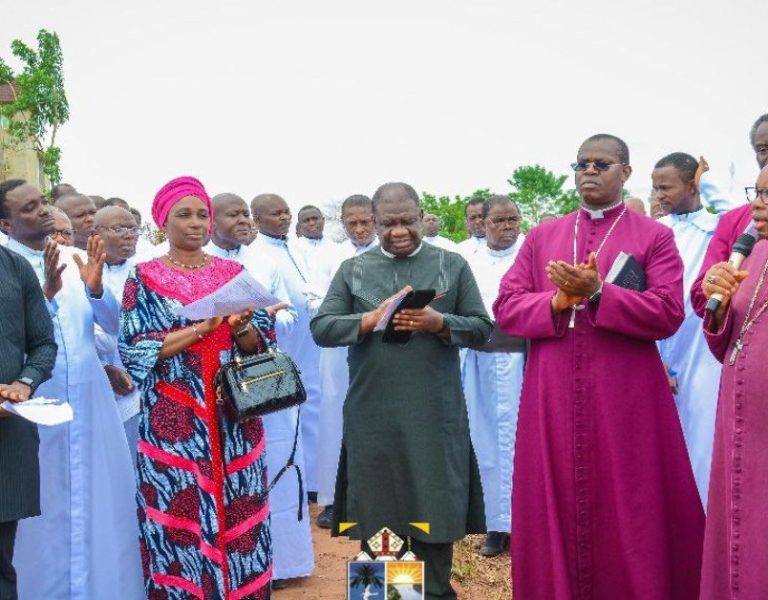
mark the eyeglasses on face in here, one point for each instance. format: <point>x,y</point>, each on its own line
<point>122,229</point>
<point>65,233</point>
<point>599,165</point>
<point>754,193</point>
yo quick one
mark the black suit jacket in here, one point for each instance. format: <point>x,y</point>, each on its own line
<point>27,349</point>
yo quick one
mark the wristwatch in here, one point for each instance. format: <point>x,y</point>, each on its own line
<point>28,382</point>
<point>595,298</point>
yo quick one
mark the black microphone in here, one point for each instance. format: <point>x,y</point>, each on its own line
<point>741,249</point>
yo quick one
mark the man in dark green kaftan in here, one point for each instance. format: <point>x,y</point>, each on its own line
<point>406,455</point>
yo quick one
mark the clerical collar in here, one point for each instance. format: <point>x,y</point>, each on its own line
<point>214,248</point>
<point>360,249</point>
<point>502,253</point>
<point>390,255</point>
<point>116,266</point>
<point>283,238</point>
<point>688,216</point>
<point>601,213</point>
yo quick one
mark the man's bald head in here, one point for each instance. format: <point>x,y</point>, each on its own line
<point>431,224</point>
<point>62,189</point>
<point>262,201</point>
<point>226,199</point>
<point>81,210</point>
<point>231,221</point>
<point>271,214</point>
<point>120,232</point>
<point>105,216</point>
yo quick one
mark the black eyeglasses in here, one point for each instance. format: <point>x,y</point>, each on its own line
<point>122,229</point>
<point>65,233</point>
<point>754,193</point>
<point>600,165</point>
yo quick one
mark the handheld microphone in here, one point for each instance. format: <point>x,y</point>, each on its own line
<point>741,249</point>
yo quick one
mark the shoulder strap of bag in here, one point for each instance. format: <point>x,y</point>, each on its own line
<point>290,463</point>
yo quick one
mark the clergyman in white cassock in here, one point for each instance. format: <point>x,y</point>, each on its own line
<point>85,543</point>
<point>357,219</point>
<point>119,231</point>
<point>686,353</point>
<point>291,538</point>
<point>493,380</point>
<point>475,224</point>
<point>334,381</point>
<point>431,226</point>
<point>128,405</point>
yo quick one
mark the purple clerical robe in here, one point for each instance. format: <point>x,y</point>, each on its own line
<point>604,501</point>
<point>736,540</point>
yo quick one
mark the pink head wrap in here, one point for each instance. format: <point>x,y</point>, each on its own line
<point>175,190</point>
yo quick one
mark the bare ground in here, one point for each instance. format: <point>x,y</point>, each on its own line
<point>474,577</point>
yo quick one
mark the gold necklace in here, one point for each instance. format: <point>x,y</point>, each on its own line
<point>173,261</point>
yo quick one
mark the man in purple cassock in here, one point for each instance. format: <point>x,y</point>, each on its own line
<point>735,549</point>
<point>731,225</point>
<point>604,501</point>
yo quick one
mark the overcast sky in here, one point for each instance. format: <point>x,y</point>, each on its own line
<point>318,100</point>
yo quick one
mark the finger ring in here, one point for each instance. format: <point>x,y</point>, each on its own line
<point>711,279</point>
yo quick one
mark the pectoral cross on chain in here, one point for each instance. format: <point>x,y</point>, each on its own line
<point>574,308</point>
<point>734,353</point>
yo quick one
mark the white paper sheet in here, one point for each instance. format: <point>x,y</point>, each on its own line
<point>396,302</point>
<point>43,411</point>
<point>239,294</point>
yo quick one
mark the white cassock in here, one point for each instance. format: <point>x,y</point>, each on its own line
<point>292,554</point>
<point>128,406</point>
<point>687,353</point>
<point>471,246</point>
<point>319,255</point>
<point>492,384</point>
<point>290,259</point>
<point>442,242</point>
<point>3,239</point>
<point>334,381</point>
<point>85,544</point>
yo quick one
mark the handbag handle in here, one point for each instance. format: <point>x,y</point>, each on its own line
<point>265,342</point>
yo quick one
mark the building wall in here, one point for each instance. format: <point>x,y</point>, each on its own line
<point>19,161</point>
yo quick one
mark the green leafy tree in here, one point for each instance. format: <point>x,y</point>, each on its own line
<point>451,212</point>
<point>40,106</point>
<point>538,191</point>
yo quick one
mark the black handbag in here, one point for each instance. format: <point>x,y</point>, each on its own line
<point>259,384</point>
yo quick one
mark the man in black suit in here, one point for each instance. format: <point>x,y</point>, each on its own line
<point>27,356</point>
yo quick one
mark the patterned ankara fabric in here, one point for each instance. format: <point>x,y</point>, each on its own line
<point>204,525</point>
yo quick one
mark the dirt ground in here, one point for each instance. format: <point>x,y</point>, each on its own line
<point>474,577</point>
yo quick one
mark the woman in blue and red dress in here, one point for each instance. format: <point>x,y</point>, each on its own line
<point>202,503</point>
